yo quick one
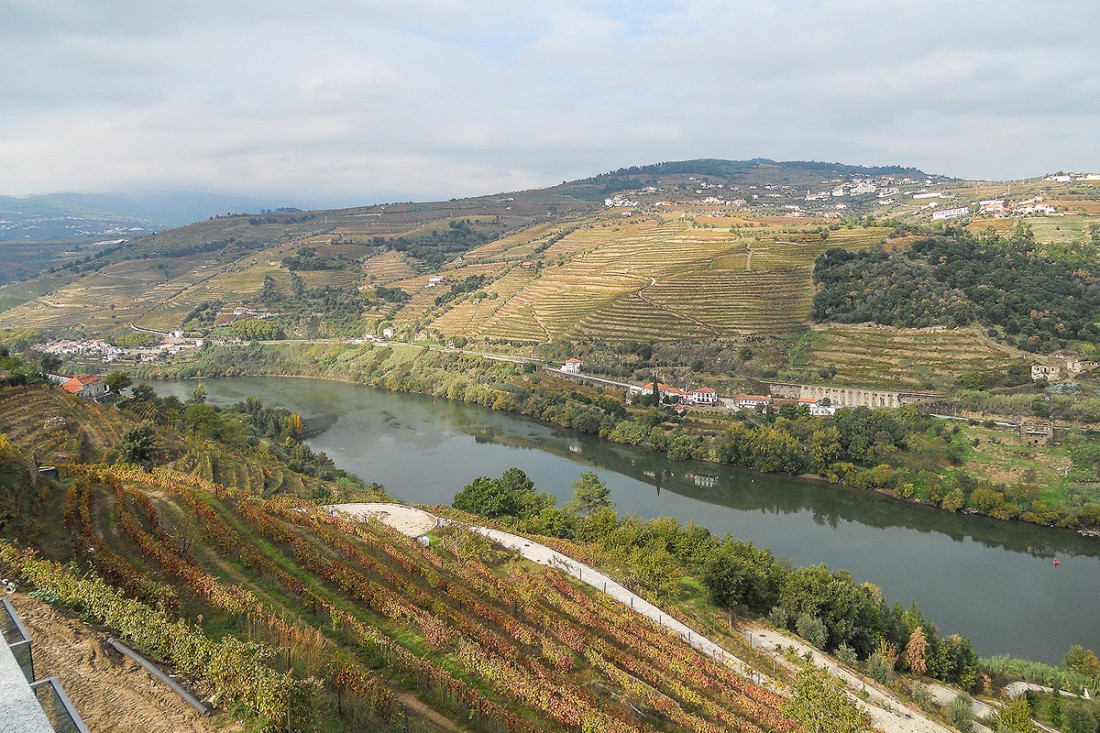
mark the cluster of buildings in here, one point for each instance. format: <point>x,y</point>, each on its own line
<point>1066,177</point>
<point>82,348</point>
<point>999,208</point>
<point>767,403</point>
<point>619,201</point>
<point>1071,368</point>
<point>701,396</point>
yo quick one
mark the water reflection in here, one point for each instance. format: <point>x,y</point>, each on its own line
<point>992,581</point>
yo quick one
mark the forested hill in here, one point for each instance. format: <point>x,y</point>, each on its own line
<point>1007,284</point>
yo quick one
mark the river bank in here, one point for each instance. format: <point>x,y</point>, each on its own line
<point>424,450</point>
<point>956,469</point>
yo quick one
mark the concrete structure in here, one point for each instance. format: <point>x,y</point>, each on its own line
<point>20,695</point>
<point>1049,373</point>
<point>848,396</point>
<point>86,385</point>
<point>950,213</point>
<point>572,366</point>
<point>1037,433</point>
<point>1076,366</point>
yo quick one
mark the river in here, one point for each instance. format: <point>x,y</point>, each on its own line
<point>993,582</point>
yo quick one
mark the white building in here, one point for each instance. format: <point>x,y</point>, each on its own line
<point>704,396</point>
<point>1041,371</point>
<point>572,366</point>
<point>950,213</point>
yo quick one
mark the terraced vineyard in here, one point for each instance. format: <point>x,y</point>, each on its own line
<point>910,358</point>
<point>383,630</point>
<point>386,268</point>
<point>55,426</point>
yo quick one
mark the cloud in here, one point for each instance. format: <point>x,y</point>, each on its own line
<point>351,98</point>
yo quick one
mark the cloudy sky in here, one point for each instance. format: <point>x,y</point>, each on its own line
<point>350,101</point>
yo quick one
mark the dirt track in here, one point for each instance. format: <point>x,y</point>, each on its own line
<point>110,692</point>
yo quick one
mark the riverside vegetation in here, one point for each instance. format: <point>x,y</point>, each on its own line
<point>903,452</point>
<point>214,571</point>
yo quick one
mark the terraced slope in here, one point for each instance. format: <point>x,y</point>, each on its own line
<point>905,357</point>
<point>452,636</point>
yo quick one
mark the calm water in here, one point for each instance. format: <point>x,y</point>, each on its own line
<point>991,581</point>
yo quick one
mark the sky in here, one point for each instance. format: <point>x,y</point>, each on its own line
<point>359,101</point>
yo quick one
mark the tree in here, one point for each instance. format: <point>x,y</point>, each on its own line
<point>914,652</point>
<point>117,381</point>
<point>1079,719</point>
<point>819,705</point>
<point>50,362</point>
<point>1014,717</point>
<point>198,395</point>
<point>961,712</point>
<point>589,494</point>
<point>136,445</point>
<point>486,497</point>
<point>1081,660</point>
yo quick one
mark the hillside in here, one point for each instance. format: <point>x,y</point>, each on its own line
<point>695,252</point>
<point>371,628</point>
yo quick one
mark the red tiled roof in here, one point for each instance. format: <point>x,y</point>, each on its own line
<point>78,383</point>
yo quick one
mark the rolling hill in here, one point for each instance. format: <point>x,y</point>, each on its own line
<point>686,252</point>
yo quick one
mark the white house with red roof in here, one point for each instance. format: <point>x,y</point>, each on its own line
<point>704,396</point>
<point>571,366</point>
<point>86,385</point>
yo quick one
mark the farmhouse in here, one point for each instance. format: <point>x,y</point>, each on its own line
<point>954,213</point>
<point>86,385</point>
<point>751,401</point>
<point>704,396</point>
<point>667,393</point>
<point>1037,433</point>
<point>1049,373</point>
<point>572,366</point>
<point>816,408</point>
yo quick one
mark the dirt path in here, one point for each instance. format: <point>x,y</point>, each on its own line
<point>110,692</point>
<point>888,712</point>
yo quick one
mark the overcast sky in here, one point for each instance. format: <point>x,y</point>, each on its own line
<point>349,101</point>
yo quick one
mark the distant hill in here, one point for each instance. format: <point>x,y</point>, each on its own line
<point>59,216</point>
<point>678,252</point>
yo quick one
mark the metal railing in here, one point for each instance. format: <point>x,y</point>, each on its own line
<point>58,707</point>
<point>17,638</point>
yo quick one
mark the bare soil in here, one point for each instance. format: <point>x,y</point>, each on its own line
<point>111,692</point>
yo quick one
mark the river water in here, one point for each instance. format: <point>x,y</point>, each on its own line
<point>993,582</point>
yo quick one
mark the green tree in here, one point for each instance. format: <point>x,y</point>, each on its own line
<point>1081,660</point>
<point>811,629</point>
<point>117,381</point>
<point>1015,717</point>
<point>819,705</point>
<point>1079,719</point>
<point>486,497</point>
<point>136,445</point>
<point>961,713</point>
<point>198,395</point>
<point>50,362</point>
<point>1054,710</point>
<point>589,494</point>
